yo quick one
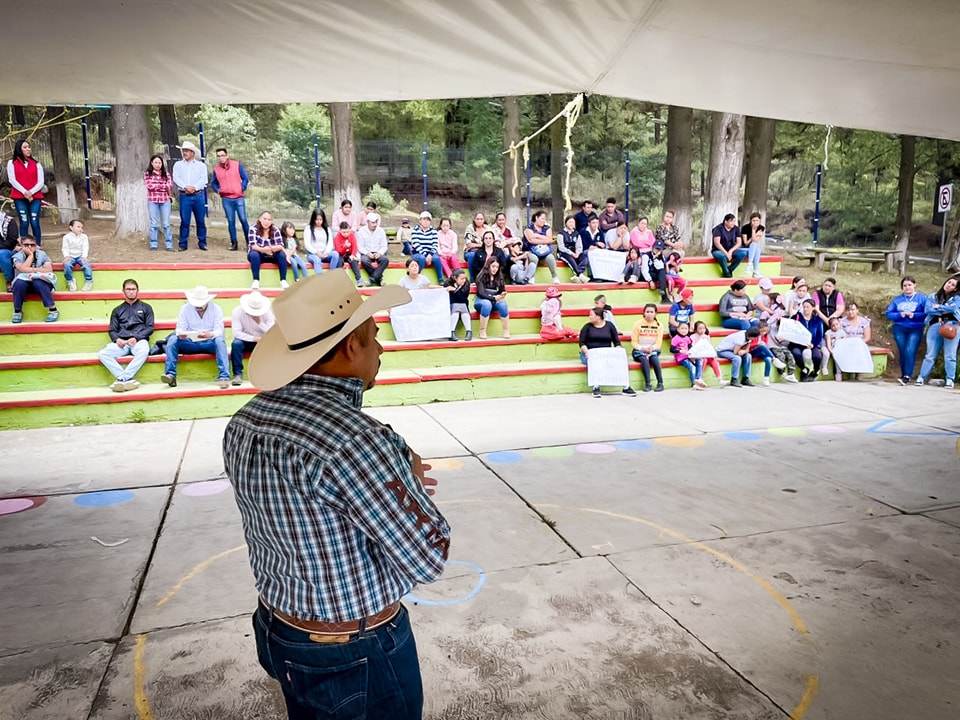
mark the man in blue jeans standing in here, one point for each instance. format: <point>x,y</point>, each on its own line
<point>190,178</point>
<point>230,181</point>
<point>199,330</point>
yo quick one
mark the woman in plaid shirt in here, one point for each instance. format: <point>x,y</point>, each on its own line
<point>266,245</point>
<point>159,184</point>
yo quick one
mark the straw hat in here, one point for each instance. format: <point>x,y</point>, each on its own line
<point>254,304</point>
<point>199,296</point>
<point>311,318</point>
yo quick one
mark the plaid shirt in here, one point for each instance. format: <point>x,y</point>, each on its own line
<point>337,525</point>
<point>158,187</point>
<point>256,240</point>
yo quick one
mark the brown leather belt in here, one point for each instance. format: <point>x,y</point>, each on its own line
<point>349,627</point>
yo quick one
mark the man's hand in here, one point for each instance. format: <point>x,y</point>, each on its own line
<point>419,468</point>
<point>204,335</point>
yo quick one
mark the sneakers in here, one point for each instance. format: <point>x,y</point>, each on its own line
<point>905,380</point>
<point>131,384</point>
<point>170,380</point>
<point>658,388</point>
<point>555,280</point>
<point>629,392</point>
<point>722,383</point>
<point>790,378</point>
<point>948,384</point>
<point>17,318</point>
<point>583,278</point>
<point>118,386</point>
<point>778,363</point>
<point>838,377</point>
<point>747,382</point>
<point>596,392</point>
<point>284,285</point>
<point>237,380</point>
<point>919,382</point>
<point>72,285</point>
<point>469,335</point>
<point>700,384</point>
<point>223,383</point>
<point>734,383</point>
<point>648,387</point>
<point>52,316</point>
<point>255,285</point>
<point>88,286</point>
<point>766,382</point>
<point>824,370</point>
<point>632,279</point>
<point>576,279</point>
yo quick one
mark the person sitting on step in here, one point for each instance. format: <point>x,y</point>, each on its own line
<point>647,337</point>
<point>34,273</point>
<point>599,333</point>
<point>551,322</point>
<point>199,330</point>
<point>458,285</point>
<point>75,249</point>
<point>249,321</point>
<point>266,245</point>
<point>131,325</point>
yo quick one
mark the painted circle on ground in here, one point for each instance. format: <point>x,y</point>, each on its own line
<point>742,435</point>
<point>596,448</point>
<point>444,464</point>
<point>481,579</point>
<point>505,457</point>
<point>829,429</point>
<point>681,441</point>
<point>557,451</point>
<point>104,498</point>
<point>9,506</point>
<point>207,487</point>
<point>787,431</point>
<point>634,444</point>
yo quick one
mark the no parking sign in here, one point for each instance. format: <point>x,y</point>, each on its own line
<point>945,198</point>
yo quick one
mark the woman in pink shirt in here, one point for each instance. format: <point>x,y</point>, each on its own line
<point>642,237</point>
<point>447,245</point>
<point>346,214</point>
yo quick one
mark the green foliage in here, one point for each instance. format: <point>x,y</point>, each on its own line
<point>420,120</point>
<point>381,196</point>
<point>226,125</point>
<point>296,128</point>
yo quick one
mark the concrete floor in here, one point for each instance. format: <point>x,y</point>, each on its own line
<point>755,553</point>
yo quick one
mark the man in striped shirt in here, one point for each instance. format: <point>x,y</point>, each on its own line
<point>425,244</point>
<point>335,511</point>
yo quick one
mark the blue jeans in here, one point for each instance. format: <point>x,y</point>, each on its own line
<point>577,265</point>
<point>192,205</point>
<point>727,269</point>
<point>934,344</point>
<point>485,307</point>
<point>6,264</point>
<point>691,368</point>
<point>29,212</point>
<point>468,256</point>
<point>374,675</point>
<point>84,265</point>
<point>753,255</point>
<point>737,363</point>
<point>258,258</point>
<point>297,266</point>
<point>108,358</point>
<point>211,346</point>
<point>160,217</point>
<point>762,352</point>
<point>908,341</point>
<point>421,259</point>
<point>232,208</point>
<point>739,323</point>
<point>237,349</point>
<point>40,287</point>
<point>317,261</point>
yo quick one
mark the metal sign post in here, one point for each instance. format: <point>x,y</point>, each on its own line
<point>944,203</point>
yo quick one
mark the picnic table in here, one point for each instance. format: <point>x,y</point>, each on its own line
<point>877,258</point>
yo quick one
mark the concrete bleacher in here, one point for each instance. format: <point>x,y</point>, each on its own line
<point>50,375</point>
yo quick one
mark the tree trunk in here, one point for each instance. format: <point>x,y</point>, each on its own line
<point>169,131</point>
<point>657,133</point>
<point>133,153</point>
<point>724,174</point>
<point>346,185</point>
<point>66,196</point>
<point>676,192</point>
<point>901,227</point>
<point>102,119</point>
<point>760,135</point>
<point>557,132</point>
<point>512,204</point>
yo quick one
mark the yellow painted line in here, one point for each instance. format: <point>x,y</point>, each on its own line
<point>196,571</point>
<point>140,702</point>
<point>813,685</point>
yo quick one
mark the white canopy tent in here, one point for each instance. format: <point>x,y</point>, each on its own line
<point>886,65</point>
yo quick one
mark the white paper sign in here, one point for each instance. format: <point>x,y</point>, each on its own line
<point>852,355</point>
<point>607,366</point>
<point>702,349</point>
<point>425,317</point>
<point>793,331</point>
<point>607,264</point>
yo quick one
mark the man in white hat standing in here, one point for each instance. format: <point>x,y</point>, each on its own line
<point>199,331</point>
<point>335,512</point>
<point>372,244</point>
<point>190,178</point>
<point>250,321</point>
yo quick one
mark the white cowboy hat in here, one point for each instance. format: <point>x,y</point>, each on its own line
<point>255,304</point>
<point>187,145</point>
<point>373,218</point>
<point>311,318</point>
<point>199,296</point>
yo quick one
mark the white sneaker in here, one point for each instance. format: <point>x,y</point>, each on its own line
<point>948,384</point>
<point>766,381</point>
<point>555,280</point>
<point>749,270</point>
<point>824,370</point>
<point>255,285</point>
<point>779,364</point>
<point>583,278</point>
<point>632,279</point>
<point>790,377</point>
<point>284,284</point>
<point>72,285</point>
<point>919,382</point>
<point>88,286</point>
<point>576,279</point>
<point>721,382</point>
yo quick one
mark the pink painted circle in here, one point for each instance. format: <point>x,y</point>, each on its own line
<point>208,487</point>
<point>9,506</point>
<point>596,448</point>
<point>830,429</point>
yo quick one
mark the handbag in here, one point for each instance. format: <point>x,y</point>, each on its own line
<point>948,331</point>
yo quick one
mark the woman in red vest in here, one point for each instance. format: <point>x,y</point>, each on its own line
<point>26,179</point>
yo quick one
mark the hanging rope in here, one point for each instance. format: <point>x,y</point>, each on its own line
<point>572,113</point>
<point>826,148</point>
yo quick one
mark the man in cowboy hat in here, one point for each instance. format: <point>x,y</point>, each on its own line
<point>337,519</point>
<point>199,330</point>
<point>250,321</point>
<point>190,177</point>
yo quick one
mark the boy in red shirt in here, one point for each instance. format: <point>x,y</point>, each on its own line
<point>345,243</point>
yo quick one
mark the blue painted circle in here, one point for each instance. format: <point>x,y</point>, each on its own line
<point>104,498</point>
<point>634,444</point>
<point>742,436</point>
<point>481,579</point>
<point>505,457</point>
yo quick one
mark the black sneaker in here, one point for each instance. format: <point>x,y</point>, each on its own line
<point>596,392</point>
<point>629,391</point>
<point>735,383</point>
<point>747,382</point>
<point>648,387</point>
<point>659,388</point>
<point>905,380</point>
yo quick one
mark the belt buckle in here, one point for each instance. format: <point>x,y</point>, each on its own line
<point>327,639</point>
